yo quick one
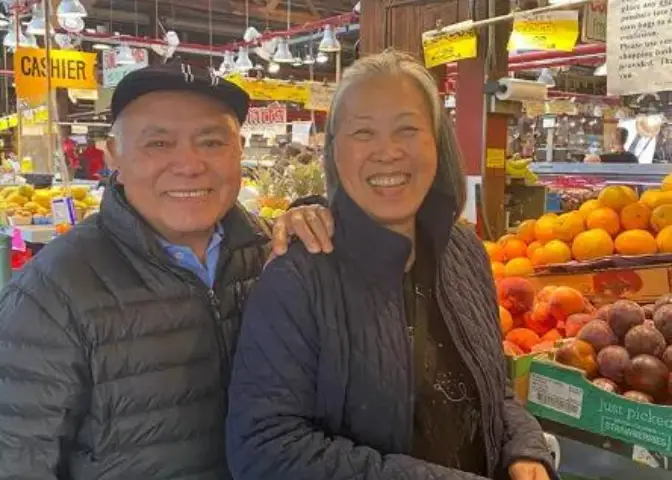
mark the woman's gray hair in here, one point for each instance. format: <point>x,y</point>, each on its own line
<point>450,177</point>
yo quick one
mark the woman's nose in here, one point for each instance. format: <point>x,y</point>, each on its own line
<point>389,150</point>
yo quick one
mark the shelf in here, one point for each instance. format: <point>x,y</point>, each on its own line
<point>605,171</point>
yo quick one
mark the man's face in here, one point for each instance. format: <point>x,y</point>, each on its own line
<point>178,156</point>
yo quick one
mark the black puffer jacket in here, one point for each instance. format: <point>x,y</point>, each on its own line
<point>322,386</point>
<point>113,363</point>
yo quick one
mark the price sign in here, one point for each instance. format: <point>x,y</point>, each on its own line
<point>548,31</point>
<point>442,49</point>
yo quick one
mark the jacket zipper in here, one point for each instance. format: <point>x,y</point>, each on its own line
<point>408,337</point>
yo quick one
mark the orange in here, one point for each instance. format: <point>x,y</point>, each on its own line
<point>495,251</point>
<point>635,242</point>
<point>505,320</point>
<point>588,207</point>
<point>664,240</point>
<point>532,247</point>
<point>568,225</point>
<point>539,257</point>
<point>519,267</point>
<point>592,244</point>
<point>543,229</point>
<point>661,217</point>
<point>526,231</point>
<point>515,248</point>
<point>635,216</point>
<point>650,198</point>
<point>505,238</point>
<point>666,184</point>
<point>605,218</point>
<point>557,251</point>
<point>498,270</point>
<point>617,196</point>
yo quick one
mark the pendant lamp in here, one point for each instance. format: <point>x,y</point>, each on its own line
<point>228,64</point>
<point>71,8</point>
<point>546,77</point>
<point>273,68</point>
<point>251,34</point>
<point>72,24</point>
<point>4,21</point>
<point>298,62</point>
<point>10,41</point>
<point>308,59</point>
<point>38,24</point>
<point>329,43</point>
<point>243,62</point>
<point>322,58</point>
<point>283,54</point>
<point>124,55</point>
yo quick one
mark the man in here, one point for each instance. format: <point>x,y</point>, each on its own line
<point>116,341</point>
<point>93,159</point>
<point>620,155</point>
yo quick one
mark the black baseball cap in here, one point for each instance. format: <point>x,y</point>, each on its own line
<point>178,76</point>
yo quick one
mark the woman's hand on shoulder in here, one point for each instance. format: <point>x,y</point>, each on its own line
<point>528,470</point>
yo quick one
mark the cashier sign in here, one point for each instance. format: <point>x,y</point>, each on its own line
<point>69,69</point>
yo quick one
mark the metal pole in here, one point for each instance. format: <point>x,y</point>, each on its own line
<point>338,66</point>
<point>50,104</point>
<point>5,259</point>
<point>19,114</point>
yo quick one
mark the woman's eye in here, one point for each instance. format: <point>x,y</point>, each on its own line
<point>408,130</point>
<point>362,134</point>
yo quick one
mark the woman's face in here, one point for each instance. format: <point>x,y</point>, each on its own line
<point>385,148</point>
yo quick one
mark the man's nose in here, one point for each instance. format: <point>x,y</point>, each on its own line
<point>189,161</point>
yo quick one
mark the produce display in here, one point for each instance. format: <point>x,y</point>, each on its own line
<point>534,321</point>
<point>26,205</point>
<point>616,222</point>
<point>626,349</point>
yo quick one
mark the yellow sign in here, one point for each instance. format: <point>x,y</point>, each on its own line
<point>320,97</point>
<point>495,158</point>
<point>69,69</point>
<point>32,116</point>
<point>547,31</point>
<point>272,90</point>
<point>442,49</point>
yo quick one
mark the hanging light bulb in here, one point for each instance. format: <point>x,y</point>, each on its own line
<point>329,41</point>
<point>11,41</point>
<point>546,77</point>
<point>283,54</point>
<point>4,21</point>
<point>243,62</point>
<point>72,24</point>
<point>124,55</point>
<point>70,9</point>
<point>601,71</point>
<point>101,46</point>
<point>228,64</point>
<point>298,62</point>
<point>267,49</point>
<point>251,34</point>
<point>273,68</point>
<point>38,24</point>
<point>322,58</point>
<point>308,59</point>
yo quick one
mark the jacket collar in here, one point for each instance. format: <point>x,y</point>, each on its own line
<point>129,227</point>
<point>378,251</point>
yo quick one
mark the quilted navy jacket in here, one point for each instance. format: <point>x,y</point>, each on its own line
<point>322,384</point>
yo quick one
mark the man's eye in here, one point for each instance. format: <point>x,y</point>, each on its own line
<point>213,143</point>
<point>157,144</point>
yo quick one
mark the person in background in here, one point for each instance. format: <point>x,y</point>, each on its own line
<point>619,155</point>
<point>117,339</point>
<point>382,360</point>
<point>93,160</point>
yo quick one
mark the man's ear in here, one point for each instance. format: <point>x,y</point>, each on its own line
<point>113,156</point>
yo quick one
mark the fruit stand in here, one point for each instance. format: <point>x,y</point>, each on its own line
<point>586,314</point>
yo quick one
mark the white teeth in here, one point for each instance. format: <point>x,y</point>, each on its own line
<point>188,193</point>
<point>395,180</point>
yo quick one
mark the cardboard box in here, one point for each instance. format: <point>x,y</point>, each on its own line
<point>519,374</point>
<point>642,284</point>
<point>563,395</point>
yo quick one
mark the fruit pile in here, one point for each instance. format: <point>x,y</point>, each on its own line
<point>626,349</point>
<point>25,205</point>
<point>617,222</point>
<point>534,321</point>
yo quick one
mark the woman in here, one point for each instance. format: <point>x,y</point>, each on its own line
<point>383,359</point>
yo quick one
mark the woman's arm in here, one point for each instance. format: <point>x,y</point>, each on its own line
<point>270,427</point>
<point>523,438</point>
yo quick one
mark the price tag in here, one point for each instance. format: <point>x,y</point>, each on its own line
<point>548,31</point>
<point>559,396</point>
<point>63,211</point>
<point>495,158</point>
<point>442,49</point>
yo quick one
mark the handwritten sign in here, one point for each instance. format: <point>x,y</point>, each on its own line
<point>114,72</point>
<point>594,27</point>
<point>272,90</point>
<point>68,69</point>
<point>272,114</point>
<point>442,49</point>
<point>320,97</point>
<point>547,31</point>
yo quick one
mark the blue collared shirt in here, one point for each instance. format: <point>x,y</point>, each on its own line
<point>186,258</point>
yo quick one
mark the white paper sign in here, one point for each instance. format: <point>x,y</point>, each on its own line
<point>113,72</point>
<point>639,46</point>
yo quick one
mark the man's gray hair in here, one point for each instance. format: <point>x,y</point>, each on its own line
<point>450,177</point>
